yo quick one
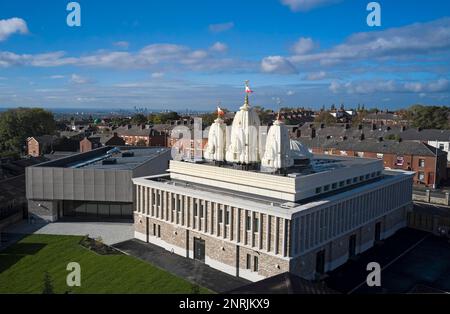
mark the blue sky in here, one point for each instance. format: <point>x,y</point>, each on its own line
<point>194,54</point>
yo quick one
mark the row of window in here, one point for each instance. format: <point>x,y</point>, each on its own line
<point>344,183</point>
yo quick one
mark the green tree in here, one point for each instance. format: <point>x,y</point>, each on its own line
<point>326,118</point>
<point>139,118</point>
<point>430,117</point>
<point>48,284</point>
<point>16,125</point>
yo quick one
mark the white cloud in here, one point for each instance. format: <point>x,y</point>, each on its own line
<point>219,47</point>
<point>12,26</point>
<point>307,5</point>
<point>278,65</point>
<point>122,44</point>
<point>157,74</point>
<point>303,45</point>
<point>395,43</point>
<point>370,87</point>
<point>316,76</point>
<point>57,77</point>
<point>222,27</point>
<point>78,79</point>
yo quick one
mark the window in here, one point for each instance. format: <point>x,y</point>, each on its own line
<point>201,210</point>
<point>380,156</point>
<point>195,209</point>
<point>422,163</point>
<point>256,224</point>
<point>367,176</point>
<point>334,186</point>
<point>159,231</point>
<point>318,190</point>
<point>441,146</point>
<point>326,188</point>
<point>421,176</point>
<point>248,223</point>
<point>255,263</point>
<point>400,161</point>
<point>154,230</point>
<point>349,181</point>
<point>341,184</point>
<point>227,217</point>
<point>355,179</point>
<point>249,261</point>
<point>220,218</point>
<point>361,178</point>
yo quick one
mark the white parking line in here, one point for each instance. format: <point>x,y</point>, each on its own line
<point>393,261</point>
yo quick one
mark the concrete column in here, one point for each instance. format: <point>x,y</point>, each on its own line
<point>447,198</point>
<point>268,221</point>
<point>428,196</point>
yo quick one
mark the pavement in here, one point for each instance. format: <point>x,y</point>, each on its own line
<point>110,232</point>
<point>189,269</point>
<point>411,260</point>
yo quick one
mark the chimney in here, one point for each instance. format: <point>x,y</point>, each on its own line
<point>403,128</point>
<point>362,137</point>
<point>347,126</point>
<point>360,127</point>
<point>322,125</point>
<point>299,133</point>
<point>313,133</point>
<point>374,126</point>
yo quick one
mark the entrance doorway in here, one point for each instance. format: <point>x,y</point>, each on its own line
<point>320,262</point>
<point>378,232</point>
<point>352,246</point>
<point>199,249</point>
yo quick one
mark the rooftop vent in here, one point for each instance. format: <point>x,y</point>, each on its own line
<point>288,205</point>
<point>110,161</point>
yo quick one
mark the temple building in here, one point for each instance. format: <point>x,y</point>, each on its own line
<point>260,204</point>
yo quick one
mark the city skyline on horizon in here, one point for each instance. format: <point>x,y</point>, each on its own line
<point>177,56</point>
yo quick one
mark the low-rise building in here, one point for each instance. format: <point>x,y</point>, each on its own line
<point>91,185</point>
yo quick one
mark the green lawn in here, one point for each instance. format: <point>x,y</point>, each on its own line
<point>23,266</point>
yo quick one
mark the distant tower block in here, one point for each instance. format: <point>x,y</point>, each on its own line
<point>244,140</point>
<point>216,147</point>
<point>277,154</point>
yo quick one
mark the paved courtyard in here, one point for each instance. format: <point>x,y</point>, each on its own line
<point>189,269</point>
<point>110,232</point>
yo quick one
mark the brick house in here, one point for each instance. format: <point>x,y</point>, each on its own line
<point>142,135</point>
<point>416,156</point>
<point>40,145</point>
<point>94,142</point>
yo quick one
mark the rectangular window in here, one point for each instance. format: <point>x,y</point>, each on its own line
<point>361,178</point>
<point>154,230</point>
<point>400,161</point>
<point>249,261</point>
<point>318,190</point>
<point>159,231</point>
<point>326,188</point>
<point>227,217</point>
<point>380,156</point>
<point>441,146</point>
<point>367,176</point>
<point>349,181</point>
<point>341,184</point>
<point>256,224</point>
<point>248,222</point>
<point>195,209</point>
<point>220,218</point>
<point>355,180</point>
<point>422,163</point>
<point>255,263</point>
<point>334,186</point>
<point>421,176</point>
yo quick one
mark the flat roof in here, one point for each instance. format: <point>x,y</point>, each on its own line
<point>319,163</point>
<point>117,157</point>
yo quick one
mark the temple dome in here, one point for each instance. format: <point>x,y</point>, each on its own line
<point>277,154</point>
<point>216,147</point>
<point>244,139</point>
<point>299,151</point>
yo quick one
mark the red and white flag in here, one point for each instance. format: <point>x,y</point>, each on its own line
<point>220,112</point>
<point>248,90</point>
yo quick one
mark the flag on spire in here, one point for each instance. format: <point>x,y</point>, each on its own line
<point>247,88</point>
<point>220,112</point>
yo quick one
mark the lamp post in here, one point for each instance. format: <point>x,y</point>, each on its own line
<point>435,166</point>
